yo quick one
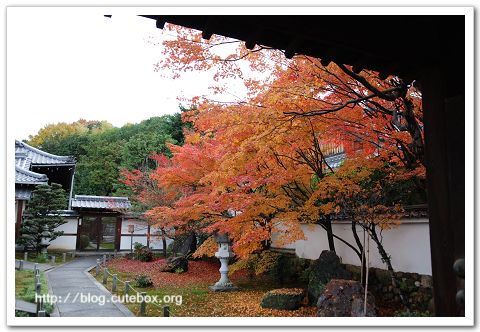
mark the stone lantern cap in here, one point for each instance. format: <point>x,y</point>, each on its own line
<point>222,238</point>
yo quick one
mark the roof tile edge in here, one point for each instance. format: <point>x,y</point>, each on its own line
<point>25,145</point>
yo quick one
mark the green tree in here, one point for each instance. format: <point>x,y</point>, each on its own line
<point>43,216</point>
<point>97,170</point>
<point>102,150</point>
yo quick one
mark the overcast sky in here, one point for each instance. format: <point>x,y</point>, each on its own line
<point>64,64</point>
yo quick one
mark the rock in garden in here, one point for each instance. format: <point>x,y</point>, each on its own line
<point>184,244</point>
<point>326,267</point>
<point>283,299</point>
<point>344,298</point>
<point>176,264</point>
<point>426,281</point>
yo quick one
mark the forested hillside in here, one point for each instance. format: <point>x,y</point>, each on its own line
<point>102,150</point>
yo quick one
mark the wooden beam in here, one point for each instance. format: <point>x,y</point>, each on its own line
<point>445,159</point>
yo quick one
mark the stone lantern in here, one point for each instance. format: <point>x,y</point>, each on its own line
<point>45,241</point>
<point>224,254</point>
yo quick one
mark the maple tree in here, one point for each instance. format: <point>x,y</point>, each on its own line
<point>258,168</point>
<point>385,113</point>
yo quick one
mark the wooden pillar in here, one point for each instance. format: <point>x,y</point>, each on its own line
<point>444,116</point>
<point>148,236</point>
<point>118,235</point>
<point>18,223</point>
<point>99,231</point>
<point>79,232</point>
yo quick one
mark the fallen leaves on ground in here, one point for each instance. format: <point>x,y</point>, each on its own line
<point>242,303</point>
<point>199,272</point>
<point>198,300</point>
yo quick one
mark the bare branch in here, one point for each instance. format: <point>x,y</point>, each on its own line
<point>341,106</point>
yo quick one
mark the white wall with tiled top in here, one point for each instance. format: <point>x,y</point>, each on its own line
<point>66,242</point>
<point>140,229</point>
<point>408,244</point>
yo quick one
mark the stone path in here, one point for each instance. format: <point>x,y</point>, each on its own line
<point>25,306</point>
<point>73,286</point>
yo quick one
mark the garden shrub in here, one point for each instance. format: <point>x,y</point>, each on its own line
<point>268,262</point>
<point>137,246</point>
<point>280,267</point>
<point>84,241</point>
<point>143,281</point>
<point>143,253</point>
<point>41,258</point>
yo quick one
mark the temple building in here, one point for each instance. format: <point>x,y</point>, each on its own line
<point>94,223</point>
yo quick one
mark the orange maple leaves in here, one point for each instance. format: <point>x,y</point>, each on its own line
<point>256,168</point>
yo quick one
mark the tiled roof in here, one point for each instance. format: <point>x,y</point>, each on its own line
<point>23,193</point>
<point>416,211</point>
<point>39,157</point>
<point>410,212</point>
<point>335,160</point>
<point>22,160</point>
<point>100,202</point>
<point>23,176</point>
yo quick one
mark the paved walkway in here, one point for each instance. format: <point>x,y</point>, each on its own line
<point>73,285</point>
<point>25,306</point>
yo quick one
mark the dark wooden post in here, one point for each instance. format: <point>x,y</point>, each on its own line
<point>118,235</point>
<point>444,119</point>
<point>99,231</point>
<point>148,236</point>
<point>79,233</point>
<point>166,311</point>
<point>18,224</point>
<point>143,304</point>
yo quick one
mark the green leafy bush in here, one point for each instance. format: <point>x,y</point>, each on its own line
<point>84,241</point>
<point>143,253</point>
<point>41,258</point>
<point>143,281</point>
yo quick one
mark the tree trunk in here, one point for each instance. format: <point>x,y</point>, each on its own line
<point>164,243</point>
<point>193,245</point>
<point>328,227</point>
<point>363,261</point>
<point>387,260</point>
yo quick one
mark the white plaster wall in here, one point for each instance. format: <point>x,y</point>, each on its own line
<point>408,244</point>
<point>156,239</point>
<point>140,228</point>
<point>65,242</point>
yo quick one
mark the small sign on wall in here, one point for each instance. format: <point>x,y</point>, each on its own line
<point>131,228</point>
